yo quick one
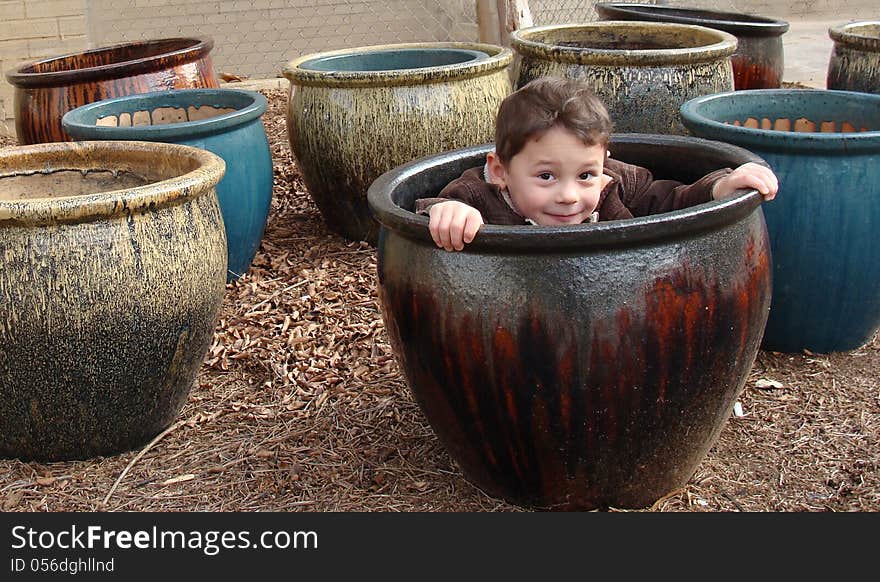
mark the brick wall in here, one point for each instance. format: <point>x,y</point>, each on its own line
<point>35,29</point>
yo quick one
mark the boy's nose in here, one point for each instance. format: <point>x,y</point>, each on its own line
<point>567,194</point>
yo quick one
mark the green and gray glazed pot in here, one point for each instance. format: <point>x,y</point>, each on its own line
<point>855,61</point>
<point>112,273</point>
<point>354,114</point>
<point>643,71</point>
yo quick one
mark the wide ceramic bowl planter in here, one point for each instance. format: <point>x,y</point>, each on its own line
<point>356,113</point>
<point>227,122</point>
<point>854,64</point>
<point>643,71</point>
<point>45,90</point>
<point>112,273</point>
<point>825,148</point>
<point>585,366</point>
<point>759,60</point>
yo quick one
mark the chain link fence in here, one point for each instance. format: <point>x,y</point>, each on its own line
<point>255,38</point>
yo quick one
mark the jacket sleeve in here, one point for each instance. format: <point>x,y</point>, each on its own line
<point>643,195</point>
<point>461,189</point>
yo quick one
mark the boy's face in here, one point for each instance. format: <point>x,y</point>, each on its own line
<point>555,179</point>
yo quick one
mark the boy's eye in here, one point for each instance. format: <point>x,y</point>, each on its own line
<point>545,176</point>
<point>586,175</point>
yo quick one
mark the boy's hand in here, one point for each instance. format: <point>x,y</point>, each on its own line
<point>750,175</point>
<point>453,223</point>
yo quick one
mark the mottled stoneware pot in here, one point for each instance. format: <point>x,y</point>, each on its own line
<point>585,366</point>
<point>759,60</point>
<point>45,90</point>
<point>112,273</point>
<point>855,60</point>
<point>643,71</point>
<point>825,148</point>
<point>227,122</point>
<point>356,113</point>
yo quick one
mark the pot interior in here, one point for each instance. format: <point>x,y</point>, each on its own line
<point>797,111</point>
<point>626,38</point>
<point>161,116</point>
<point>869,30</point>
<point>689,15</point>
<point>393,59</point>
<point>67,183</point>
<point>110,55</point>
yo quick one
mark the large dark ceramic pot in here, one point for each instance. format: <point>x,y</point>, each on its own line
<point>227,122</point>
<point>356,113</point>
<point>112,273</point>
<point>45,90</point>
<point>825,148</point>
<point>855,61</point>
<point>585,366</point>
<point>759,60</point>
<point>643,71</point>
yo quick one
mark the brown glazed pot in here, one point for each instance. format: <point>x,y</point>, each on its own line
<point>642,71</point>
<point>585,366</point>
<point>45,90</point>
<point>112,273</point>
<point>759,60</point>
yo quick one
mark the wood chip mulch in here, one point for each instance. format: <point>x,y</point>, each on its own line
<point>300,406</point>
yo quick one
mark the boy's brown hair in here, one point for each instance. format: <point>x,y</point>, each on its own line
<point>546,102</point>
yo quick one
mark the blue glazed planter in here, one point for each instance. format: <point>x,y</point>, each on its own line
<point>825,148</point>
<point>226,122</point>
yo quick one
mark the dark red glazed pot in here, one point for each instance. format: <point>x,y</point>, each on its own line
<point>45,90</point>
<point>578,367</point>
<point>759,60</point>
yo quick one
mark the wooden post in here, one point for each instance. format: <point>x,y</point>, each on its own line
<point>487,20</point>
<point>513,15</point>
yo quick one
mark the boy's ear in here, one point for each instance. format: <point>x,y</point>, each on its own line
<point>496,173</point>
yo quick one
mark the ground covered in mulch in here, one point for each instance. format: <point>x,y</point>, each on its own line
<point>300,406</point>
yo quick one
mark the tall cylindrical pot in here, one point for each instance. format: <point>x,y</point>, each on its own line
<point>356,113</point>
<point>642,71</point>
<point>825,148</point>
<point>45,90</point>
<point>854,64</point>
<point>584,366</point>
<point>759,59</point>
<point>112,273</point>
<point>227,122</point>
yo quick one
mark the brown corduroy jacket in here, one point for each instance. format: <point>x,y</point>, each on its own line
<point>632,192</point>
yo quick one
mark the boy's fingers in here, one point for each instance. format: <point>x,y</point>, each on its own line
<point>456,230</point>
<point>471,227</point>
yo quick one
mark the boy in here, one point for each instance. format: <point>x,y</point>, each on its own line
<point>551,167</point>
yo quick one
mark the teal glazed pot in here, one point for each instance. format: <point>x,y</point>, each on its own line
<point>45,90</point>
<point>227,122</point>
<point>354,114</point>
<point>854,64</point>
<point>578,367</point>
<point>825,148</point>
<point>759,59</point>
<point>642,71</point>
<point>112,274</point>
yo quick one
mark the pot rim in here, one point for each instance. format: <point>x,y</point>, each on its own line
<point>848,35</point>
<point>81,121</point>
<point>724,45</point>
<point>104,156</point>
<point>499,58</point>
<point>197,48</point>
<point>558,239</point>
<point>737,23</point>
<point>694,117</point>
